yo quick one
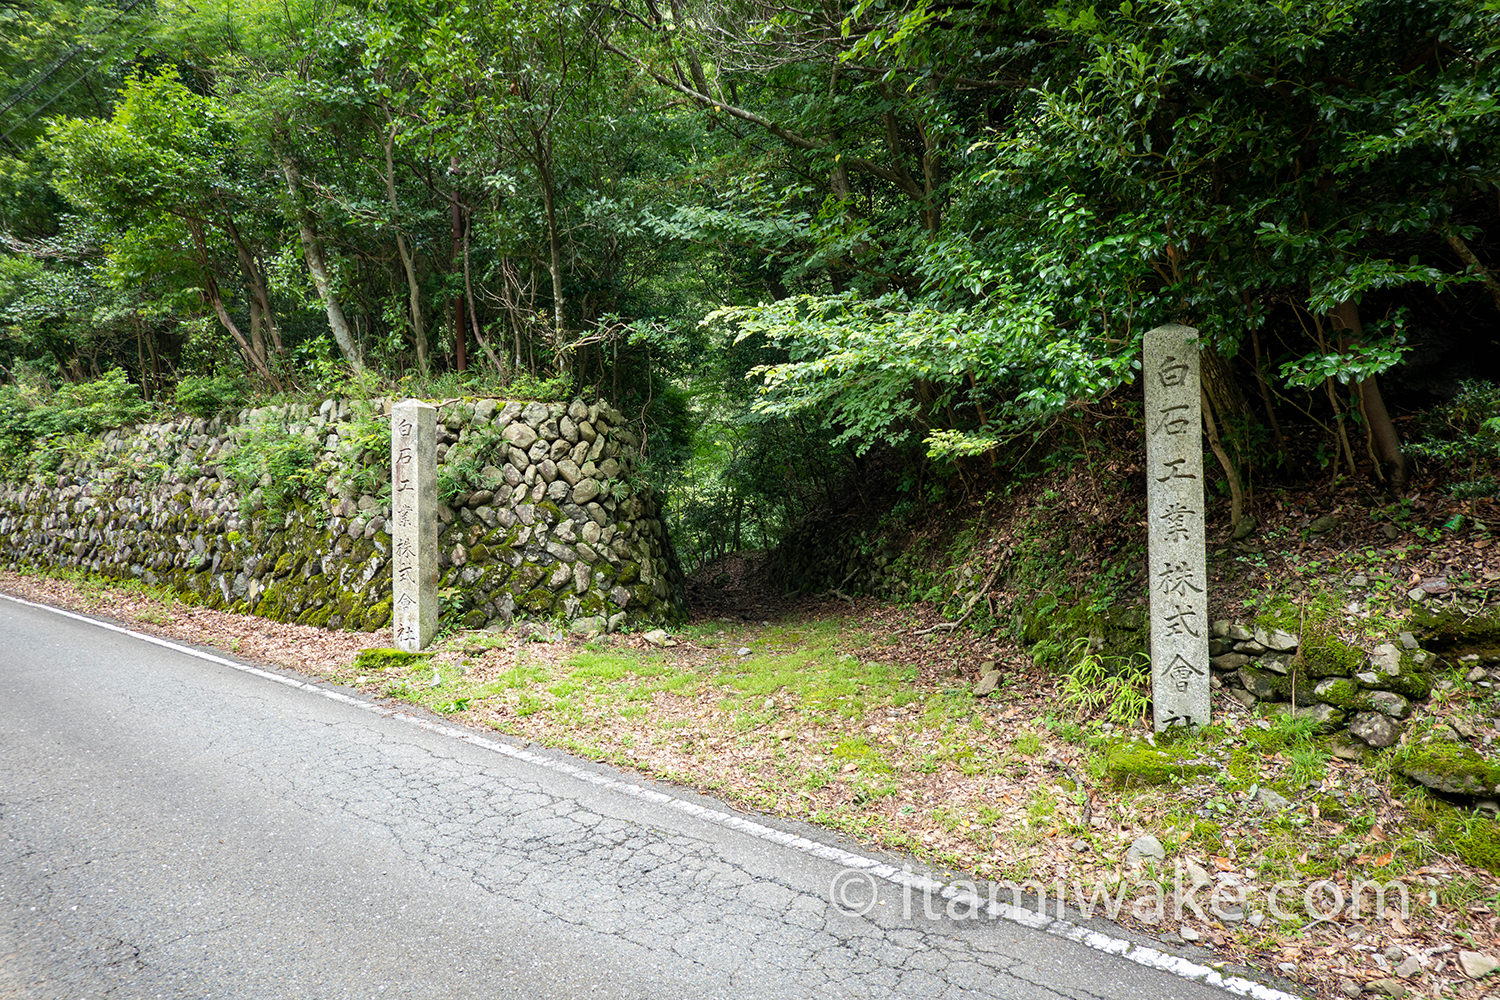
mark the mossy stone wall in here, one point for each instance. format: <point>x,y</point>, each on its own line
<point>542,516</point>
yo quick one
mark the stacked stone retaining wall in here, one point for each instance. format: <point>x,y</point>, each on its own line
<point>542,516</point>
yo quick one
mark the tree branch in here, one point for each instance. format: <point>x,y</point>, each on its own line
<point>781,132</point>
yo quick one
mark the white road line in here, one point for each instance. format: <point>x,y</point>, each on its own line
<point>1098,941</point>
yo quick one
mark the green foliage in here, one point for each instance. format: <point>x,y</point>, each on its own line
<point>39,431</point>
<point>853,363</point>
<point>209,396</point>
<point>363,460</point>
<point>106,403</point>
<point>1117,687</point>
<point>17,429</point>
<point>1463,435</point>
<point>272,463</point>
<point>462,471</point>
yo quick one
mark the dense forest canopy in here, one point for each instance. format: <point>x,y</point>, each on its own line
<point>790,239</point>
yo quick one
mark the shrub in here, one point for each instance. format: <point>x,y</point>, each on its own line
<point>271,457</point>
<point>109,401</point>
<point>38,432</point>
<point>208,396</point>
<point>17,429</point>
<point>1463,433</point>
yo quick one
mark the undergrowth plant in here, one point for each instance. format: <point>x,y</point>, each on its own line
<point>1463,434</point>
<point>41,428</point>
<point>463,468</point>
<point>273,459</point>
<point>363,460</point>
<point>1115,686</point>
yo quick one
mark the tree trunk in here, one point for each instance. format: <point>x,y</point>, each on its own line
<point>1231,470</point>
<point>140,357</point>
<point>255,284</point>
<point>408,262</point>
<point>474,315</point>
<point>312,252</point>
<point>216,302</point>
<point>545,178</point>
<point>1383,432</point>
<point>456,229</point>
<point>1467,255</point>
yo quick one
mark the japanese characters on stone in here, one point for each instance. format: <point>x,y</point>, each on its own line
<point>1174,500</point>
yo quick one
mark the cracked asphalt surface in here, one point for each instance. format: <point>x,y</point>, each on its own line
<point>171,827</point>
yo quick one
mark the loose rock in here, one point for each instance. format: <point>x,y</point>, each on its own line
<point>1145,847</point>
<point>1375,730</point>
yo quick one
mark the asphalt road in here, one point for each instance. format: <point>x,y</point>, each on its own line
<point>174,827</point>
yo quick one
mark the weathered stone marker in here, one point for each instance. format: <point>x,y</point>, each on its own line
<point>1174,511</point>
<point>414,555</point>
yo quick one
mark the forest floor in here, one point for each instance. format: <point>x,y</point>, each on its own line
<point>856,715</point>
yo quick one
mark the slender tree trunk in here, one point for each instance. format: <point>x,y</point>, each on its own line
<point>140,358</point>
<point>408,262</point>
<point>312,252</point>
<point>1383,432</point>
<point>1231,471</point>
<point>932,214</point>
<point>1265,395</point>
<point>473,314</point>
<point>1467,255</point>
<point>255,283</point>
<point>456,227</point>
<point>546,179</point>
<point>216,302</point>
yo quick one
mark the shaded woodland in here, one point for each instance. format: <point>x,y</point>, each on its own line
<point>797,245</point>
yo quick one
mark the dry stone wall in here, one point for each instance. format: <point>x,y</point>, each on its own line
<point>1369,692</point>
<point>542,516</point>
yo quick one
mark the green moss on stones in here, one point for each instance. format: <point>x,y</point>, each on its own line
<point>385,659</point>
<point>1450,768</point>
<point>316,617</point>
<point>1444,630</point>
<point>1412,682</point>
<point>1136,761</point>
<point>1480,846</point>
<point>378,616</point>
<point>1340,692</point>
<point>538,602</point>
<point>1295,686</point>
<point>1324,654</point>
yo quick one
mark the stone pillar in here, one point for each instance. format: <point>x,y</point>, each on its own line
<point>414,555</point>
<point>1174,512</point>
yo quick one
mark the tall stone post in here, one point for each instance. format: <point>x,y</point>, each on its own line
<point>1174,513</point>
<point>414,557</point>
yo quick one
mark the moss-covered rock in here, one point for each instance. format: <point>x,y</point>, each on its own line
<point>1446,630</point>
<point>1142,763</point>
<point>1450,768</point>
<point>1324,654</point>
<point>1479,845</point>
<point>537,602</point>
<point>1393,669</point>
<point>373,660</point>
<point>1341,692</point>
<point>378,616</point>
